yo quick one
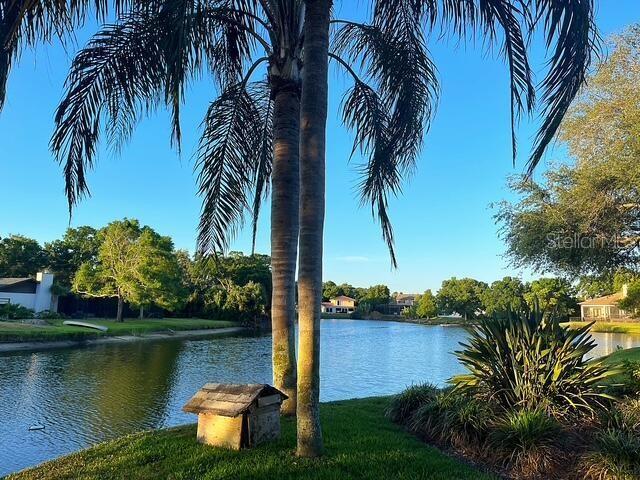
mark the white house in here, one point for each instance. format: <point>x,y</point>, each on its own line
<point>33,293</point>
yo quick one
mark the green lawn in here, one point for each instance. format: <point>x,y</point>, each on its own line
<point>631,354</point>
<point>19,332</point>
<point>612,327</point>
<point>360,443</point>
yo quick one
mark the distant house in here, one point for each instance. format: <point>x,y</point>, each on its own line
<point>339,304</point>
<point>604,308</point>
<point>406,299</point>
<point>33,293</point>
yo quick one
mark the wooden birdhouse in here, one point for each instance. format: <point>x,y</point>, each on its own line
<point>236,416</point>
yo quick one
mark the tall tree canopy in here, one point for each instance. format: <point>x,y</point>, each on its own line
<point>134,264</point>
<point>583,218</point>
<point>505,297</point>
<point>21,257</point>
<point>553,297</point>
<point>462,296</point>
<point>65,255</point>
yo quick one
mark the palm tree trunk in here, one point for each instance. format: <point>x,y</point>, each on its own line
<point>312,174</point>
<point>120,308</point>
<point>285,200</point>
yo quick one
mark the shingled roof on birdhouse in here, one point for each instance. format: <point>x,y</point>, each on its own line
<point>236,416</point>
<point>230,400</point>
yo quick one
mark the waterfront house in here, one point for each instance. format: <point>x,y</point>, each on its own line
<point>406,299</point>
<point>33,293</point>
<point>339,304</point>
<point>604,308</point>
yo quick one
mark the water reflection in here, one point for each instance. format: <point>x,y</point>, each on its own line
<point>84,396</point>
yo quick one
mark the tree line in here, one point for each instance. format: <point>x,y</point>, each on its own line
<point>556,298</point>
<point>137,266</point>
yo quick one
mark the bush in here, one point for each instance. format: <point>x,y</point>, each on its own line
<point>404,405</point>
<point>527,442</point>
<point>530,363</point>
<point>616,455</point>
<point>50,315</point>
<point>13,311</point>
<point>454,419</point>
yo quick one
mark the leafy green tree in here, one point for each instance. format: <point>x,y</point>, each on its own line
<point>427,305</point>
<point>582,218</point>
<point>21,257</point>
<point>376,295</point>
<point>504,298</point>
<point>134,264</point>
<point>248,300</point>
<point>462,296</point>
<point>631,303</point>
<point>348,290</point>
<point>330,290</point>
<point>77,246</point>
<point>554,298</point>
<point>158,276</point>
<point>592,286</point>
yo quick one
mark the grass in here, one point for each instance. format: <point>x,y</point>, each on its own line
<point>23,332</point>
<point>632,328</point>
<point>360,444</point>
<point>619,356</point>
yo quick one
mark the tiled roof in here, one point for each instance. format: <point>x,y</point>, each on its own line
<point>611,300</point>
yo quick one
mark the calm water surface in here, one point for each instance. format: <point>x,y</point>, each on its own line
<point>83,396</point>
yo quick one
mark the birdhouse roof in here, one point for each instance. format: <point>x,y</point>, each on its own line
<point>228,399</point>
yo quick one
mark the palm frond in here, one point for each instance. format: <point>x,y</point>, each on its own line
<point>570,25</point>
<point>509,15</point>
<point>120,69</point>
<point>233,153</point>
<point>128,69</point>
<point>27,22</point>
<point>405,88</point>
<point>264,161</point>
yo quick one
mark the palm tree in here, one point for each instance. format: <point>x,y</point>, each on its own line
<point>570,34</point>
<point>251,131</point>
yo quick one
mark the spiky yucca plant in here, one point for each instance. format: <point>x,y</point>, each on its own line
<point>533,363</point>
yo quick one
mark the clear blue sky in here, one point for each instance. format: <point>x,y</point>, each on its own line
<point>443,221</point>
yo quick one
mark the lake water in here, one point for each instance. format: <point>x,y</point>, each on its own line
<point>87,395</point>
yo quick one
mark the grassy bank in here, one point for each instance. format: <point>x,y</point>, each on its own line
<point>632,328</point>
<point>22,332</point>
<point>360,443</point>
<point>619,356</point>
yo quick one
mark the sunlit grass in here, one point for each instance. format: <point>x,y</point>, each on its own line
<point>23,332</point>
<point>360,443</point>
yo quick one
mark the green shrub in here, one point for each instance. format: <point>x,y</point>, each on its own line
<point>50,315</point>
<point>616,456</point>
<point>624,415</point>
<point>13,311</point>
<point>455,419</point>
<point>526,442</point>
<point>404,405</point>
<point>530,363</point>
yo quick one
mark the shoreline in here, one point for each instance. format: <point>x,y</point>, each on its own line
<point>8,347</point>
